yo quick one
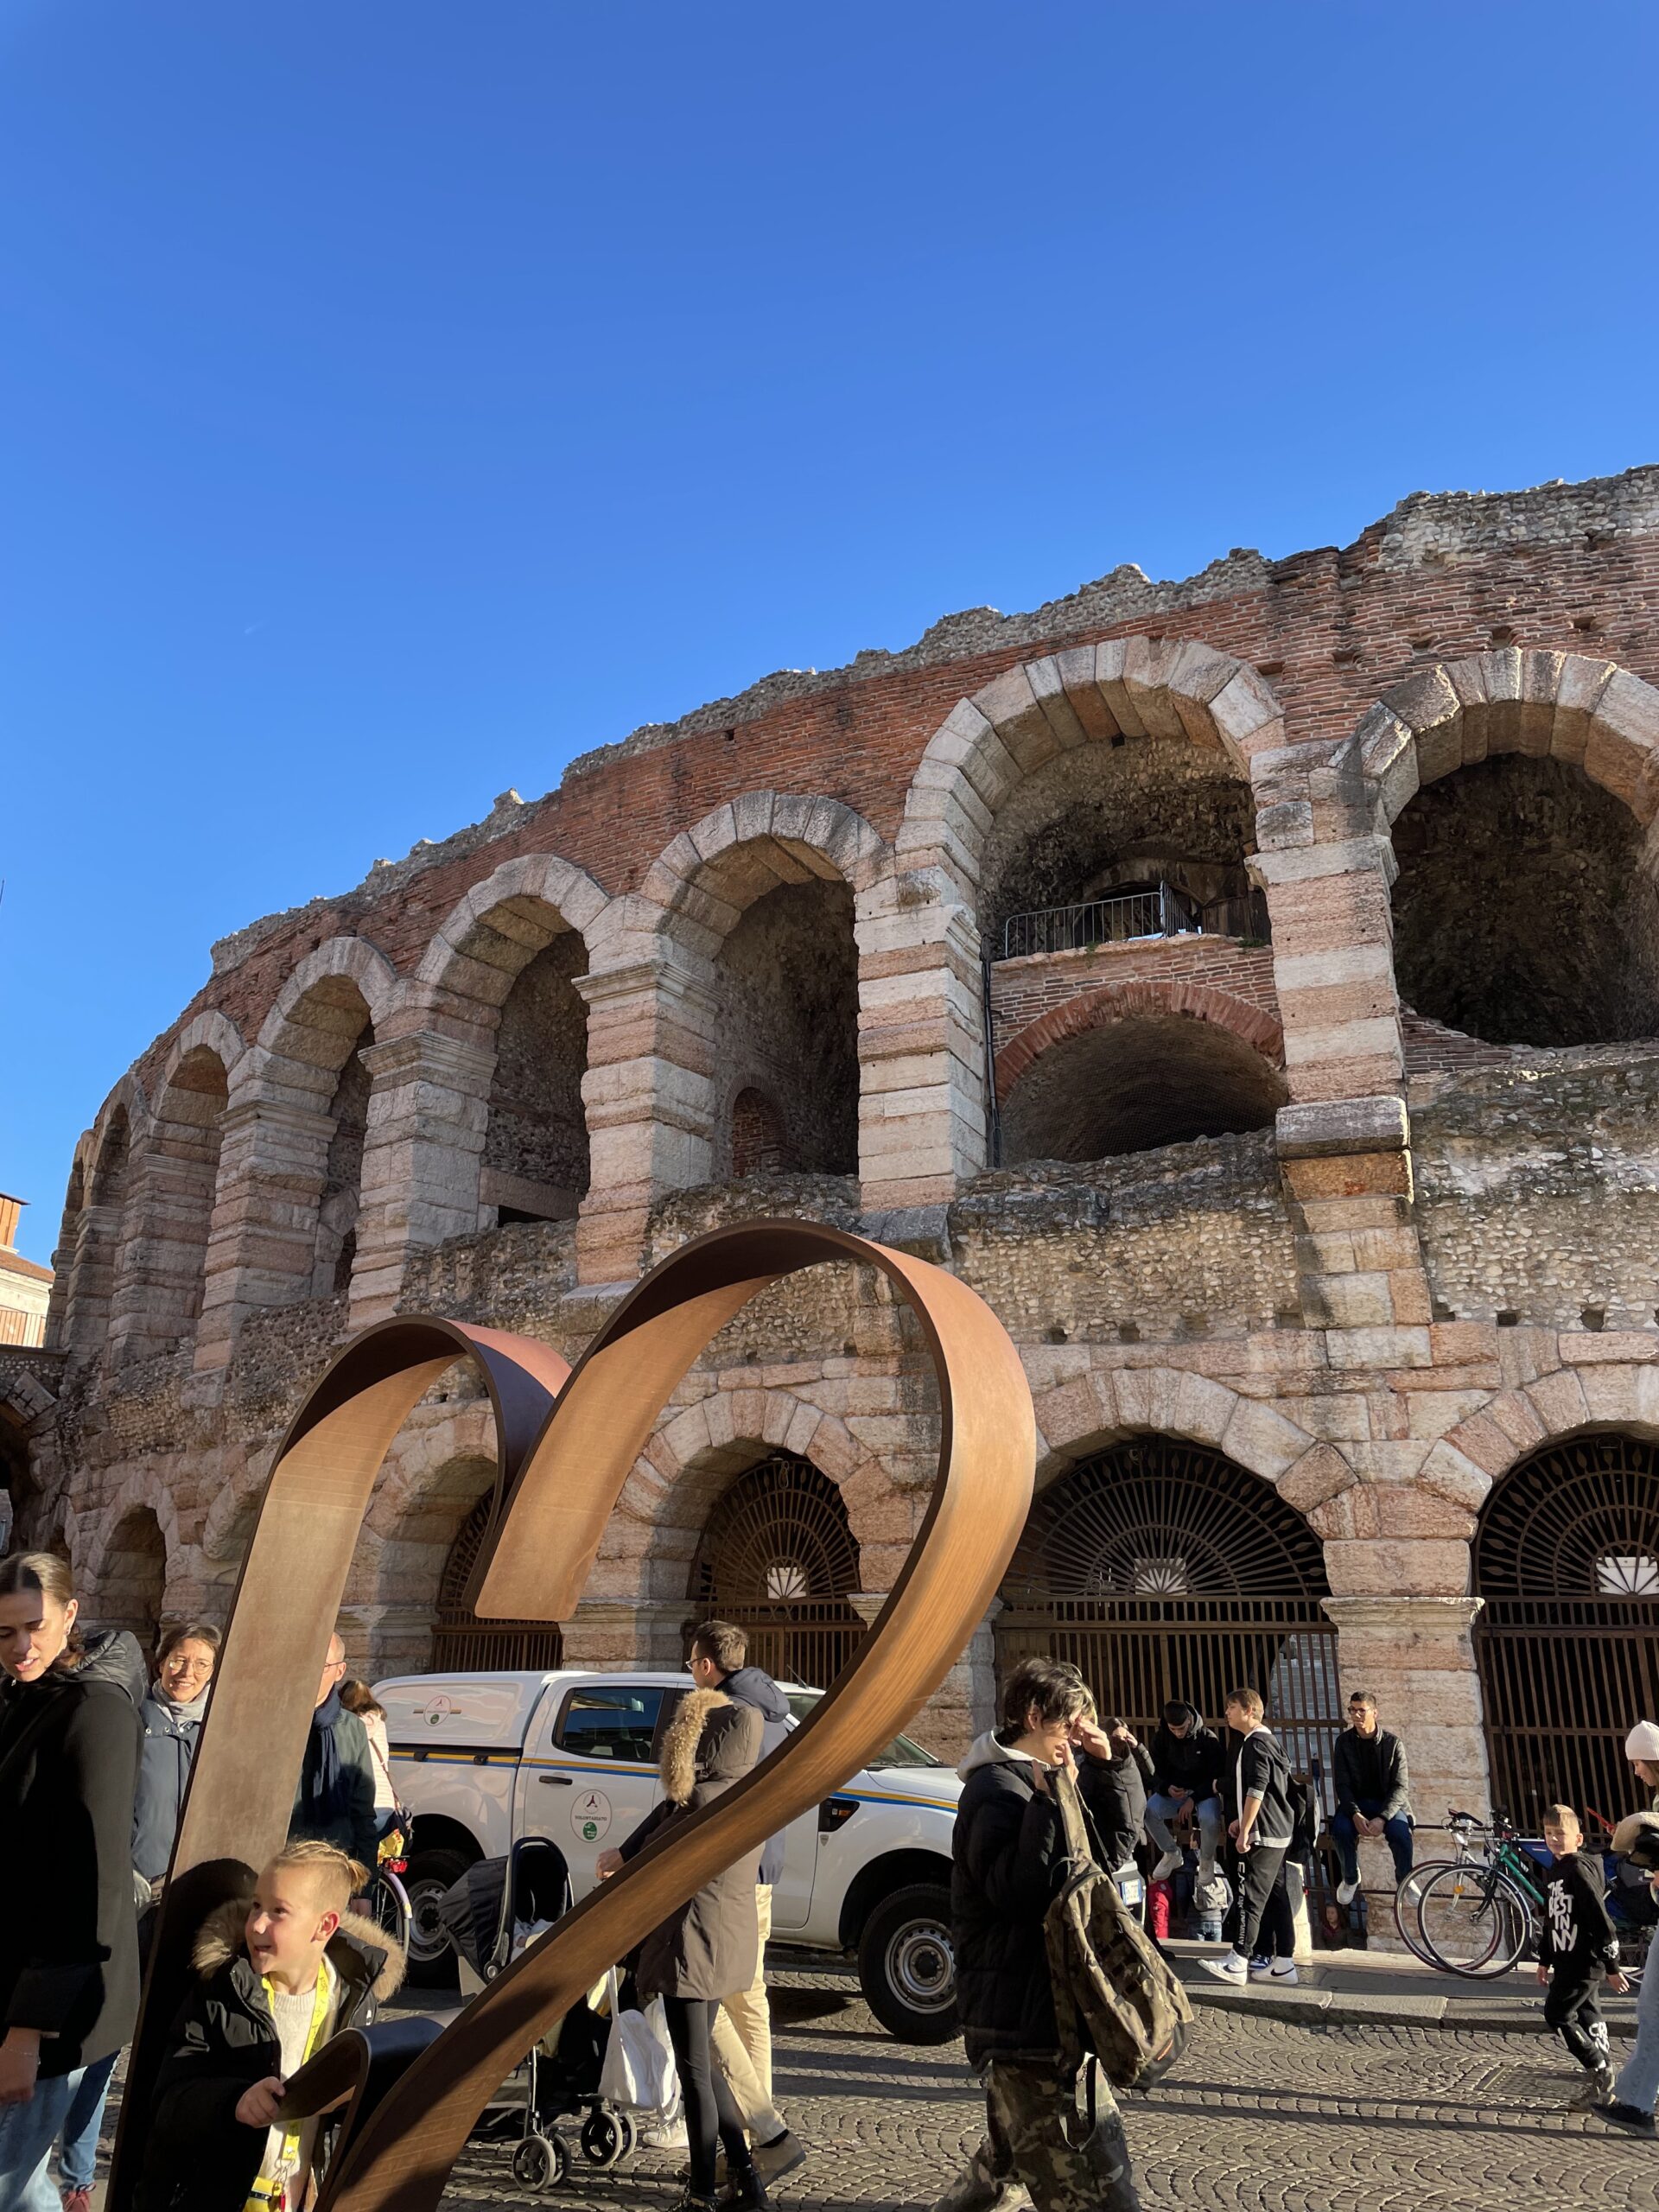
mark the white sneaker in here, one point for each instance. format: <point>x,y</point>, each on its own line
<point>1346,1892</point>
<point>1170,1863</point>
<point>1283,1971</point>
<point>664,2135</point>
<point>1229,1969</point>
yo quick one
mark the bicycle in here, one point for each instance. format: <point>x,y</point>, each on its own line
<point>388,1901</point>
<point>1474,1914</point>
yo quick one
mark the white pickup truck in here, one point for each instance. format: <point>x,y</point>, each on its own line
<point>483,1759</point>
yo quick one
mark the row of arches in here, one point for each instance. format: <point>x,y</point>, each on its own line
<point>1161,1567</point>
<point>787,993</point>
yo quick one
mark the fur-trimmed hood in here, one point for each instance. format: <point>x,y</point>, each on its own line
<point>1636,1838</point>
<point>359,1949</point>
<point>710,1738</point>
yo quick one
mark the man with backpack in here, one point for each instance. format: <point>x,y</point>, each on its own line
<point>1262,1805</point>
<point>1011,1862</point>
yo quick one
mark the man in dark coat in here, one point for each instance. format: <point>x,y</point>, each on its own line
<point>334,1803</point>
<point>1373,1794</point>
<point>1186,1761</point>
<point>1114,1769</point>
<point>1009,1864</point>
<point>69,1741</point>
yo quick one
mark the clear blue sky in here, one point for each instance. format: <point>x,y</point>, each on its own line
<point>400,396</point>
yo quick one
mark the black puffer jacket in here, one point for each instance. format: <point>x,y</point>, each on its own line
<point>1115,1791</point>
<point>1008,1861</point>
<point>1190,1762</point>
<point>198,2157</point>
<point>69,1748</point>
<point>711,1946</point>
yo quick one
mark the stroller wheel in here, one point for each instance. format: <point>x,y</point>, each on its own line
<point>607,2137</point>
<point>541,2162</point>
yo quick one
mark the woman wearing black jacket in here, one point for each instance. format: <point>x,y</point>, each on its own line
<point>69,1743</point>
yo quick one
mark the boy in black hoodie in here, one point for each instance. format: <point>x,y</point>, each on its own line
<point>278,1975</point>
<point>1577,1948</point>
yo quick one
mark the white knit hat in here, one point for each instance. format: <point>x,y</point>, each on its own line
<point>1642,1742</point>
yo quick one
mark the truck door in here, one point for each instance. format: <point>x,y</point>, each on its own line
<point>589,1777</point>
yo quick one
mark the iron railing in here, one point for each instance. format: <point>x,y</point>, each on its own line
<point>462,1643</point>
<point>1562,1679</point>
<point>1129,917</point>
<point>805,1640</point>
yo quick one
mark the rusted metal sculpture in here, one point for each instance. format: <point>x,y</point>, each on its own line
<point>566,1447</point>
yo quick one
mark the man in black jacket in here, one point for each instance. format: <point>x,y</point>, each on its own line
<point>1262,1823</point>
<point>1113,1771</point>
<point>1372,1790</point>
<point>1009,1864</point>
<point>1186,1757</point>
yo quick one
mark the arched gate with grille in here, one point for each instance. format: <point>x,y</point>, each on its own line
<point>1567,1640</point>
<point>779,1558</point>
<point>460,1640</point>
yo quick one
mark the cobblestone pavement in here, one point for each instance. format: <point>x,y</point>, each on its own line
<point>1265,2114</point>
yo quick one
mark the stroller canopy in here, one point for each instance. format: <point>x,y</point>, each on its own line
<point>496,1895</point>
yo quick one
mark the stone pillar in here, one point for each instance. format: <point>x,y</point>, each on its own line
<point>158,1272</point>
<point>428,1114</point>
<point>638,1633</point>
<point>1347,1171</point>
<point>921,1043</point>
<point>91,1280</point>
<point>262,1246</point>
<point>648,1095</point>
<point>1417,1654</point>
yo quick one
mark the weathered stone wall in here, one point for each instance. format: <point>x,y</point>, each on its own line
<point>788,1024</point>
<point>537,1131</point>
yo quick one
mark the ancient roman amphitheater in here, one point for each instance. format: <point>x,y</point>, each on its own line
<point>1249,985</point>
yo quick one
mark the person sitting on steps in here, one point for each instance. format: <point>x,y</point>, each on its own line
<point>1186,1759</point>
<point>1371,1786</point>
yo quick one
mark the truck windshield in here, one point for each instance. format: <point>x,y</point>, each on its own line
<point>901,1751</point>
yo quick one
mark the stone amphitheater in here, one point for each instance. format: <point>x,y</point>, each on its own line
<point>1248,985</point>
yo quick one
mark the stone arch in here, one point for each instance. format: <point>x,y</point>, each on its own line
<point>101,1225</point>
<point>1108,1404</point>
<point>309,1023</point>
<point>1127,1067</point>
<point>1123,688</point>
<point>1569,1401</point>
<point>1542,866</point>
<point>487,937</point>
<point>709,874</point>
<point>61,1305</point>
<point>137,1538</point>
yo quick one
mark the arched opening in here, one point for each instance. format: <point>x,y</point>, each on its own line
<point>1524,913</point>
<point>462,1641</point>
<point>342,1180</point>
<point>1134,1083</point>
<point>1108,843</point>
<point>535,1156</point>
<point>1567,1640</point>
<point>787,978</point>
<point>182,1176</point>
<point>14,1476</point>
<point>778,1557</point>
<point>132,1577</point>
<point>61,1305</point>
<point>1164,1570</point>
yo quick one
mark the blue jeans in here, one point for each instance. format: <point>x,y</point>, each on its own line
<point>1397,1830</point>
<point>27,2134</point>
<point>83,2123</point>
<point>1162,1810</point>
<point>1638,2080</point>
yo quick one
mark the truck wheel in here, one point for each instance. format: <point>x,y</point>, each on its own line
<point>905,1965</point>
<point>431,1955</point>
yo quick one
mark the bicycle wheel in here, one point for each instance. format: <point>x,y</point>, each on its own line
<point>1409,1906</point>
<point>389,1906</point>
<point>1470,1921</point>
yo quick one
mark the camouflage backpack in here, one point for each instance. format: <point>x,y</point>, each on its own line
<point>1115,1995</point>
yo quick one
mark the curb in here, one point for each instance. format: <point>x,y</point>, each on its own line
<point>1314,2007</point>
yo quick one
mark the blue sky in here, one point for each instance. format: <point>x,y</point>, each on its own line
<point>400,397</point>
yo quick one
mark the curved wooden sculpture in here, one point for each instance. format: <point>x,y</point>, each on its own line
<point>566,1448</point>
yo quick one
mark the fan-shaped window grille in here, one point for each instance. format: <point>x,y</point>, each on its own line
<point>461,1640</point>
<point>1567,1640</point>
<point>777,1557</point>
<point>1166,1570</point>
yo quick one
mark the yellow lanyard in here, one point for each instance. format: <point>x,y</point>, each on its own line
<point>270,2190</point>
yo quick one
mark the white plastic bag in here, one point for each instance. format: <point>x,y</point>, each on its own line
<point>639,2070</point>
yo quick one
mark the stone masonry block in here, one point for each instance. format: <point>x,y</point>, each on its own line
<point>1337,1127</point>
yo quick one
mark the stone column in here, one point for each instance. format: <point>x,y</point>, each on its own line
<point>921,1043</point>
<point>262,1246</point>
<point>1417,1654</point>
<point>428,1114</point>
<point>158,1272</point>
<point>1359,1262</point>
<point>91,1280</point>
<point>648,1095</point>
<point>642,1633</point>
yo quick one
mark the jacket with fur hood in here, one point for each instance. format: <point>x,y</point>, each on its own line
<point>69,1747</point>
<point>1008,1865</point>
<point>198,2157</point>
<point>711,1946</point>
<point>754,1686</point>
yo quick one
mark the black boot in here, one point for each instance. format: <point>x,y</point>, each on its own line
<point>692,2203</point>
<point>745,2192</point>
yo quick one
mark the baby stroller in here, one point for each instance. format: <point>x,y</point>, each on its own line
<point>497,1907</point>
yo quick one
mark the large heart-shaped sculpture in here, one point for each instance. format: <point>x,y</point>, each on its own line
<point>567,1442</point>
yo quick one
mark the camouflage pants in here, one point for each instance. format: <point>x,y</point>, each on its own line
<point>1040,2142</point>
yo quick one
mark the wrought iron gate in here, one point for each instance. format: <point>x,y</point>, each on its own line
<point>778,1558</point>
<point>460,1641</point>
<point>1566,1559</point>
<point>1164,1571</point>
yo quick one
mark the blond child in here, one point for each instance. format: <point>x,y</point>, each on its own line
<point>277,1975</point>
<point>1578,1949</point>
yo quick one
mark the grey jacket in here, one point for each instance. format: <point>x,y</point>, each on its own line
<point>711,1946</point>
<point>170,1734</point>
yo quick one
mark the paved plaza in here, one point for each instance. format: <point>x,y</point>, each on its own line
<point>1266,2113</point>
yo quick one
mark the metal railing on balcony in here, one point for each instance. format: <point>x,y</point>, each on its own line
<point>1132,916</point>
